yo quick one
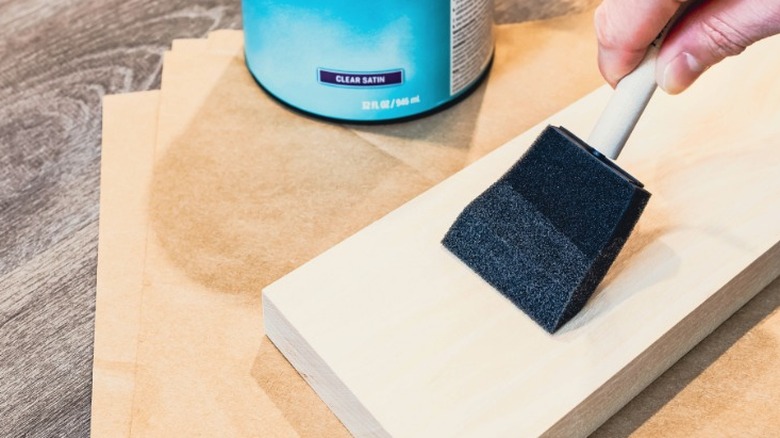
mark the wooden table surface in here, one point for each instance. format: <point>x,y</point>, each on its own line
<point>57,60</point>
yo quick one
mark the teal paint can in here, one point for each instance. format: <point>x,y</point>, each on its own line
<point>365,61</point>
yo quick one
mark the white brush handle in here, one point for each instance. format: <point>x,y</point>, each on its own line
<point>629,100</point>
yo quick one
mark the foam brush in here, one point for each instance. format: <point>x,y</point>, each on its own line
<point>546,233</point>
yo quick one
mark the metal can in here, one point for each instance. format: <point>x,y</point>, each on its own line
<point>368,61</point>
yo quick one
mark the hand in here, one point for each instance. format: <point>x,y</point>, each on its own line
<point>710,31</point>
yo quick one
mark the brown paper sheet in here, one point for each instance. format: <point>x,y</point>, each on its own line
<point>728,386</point>
<point>239,201</point>
<point>129,133</point>
<point>244,190</point>
<point>226,42</point>
<point>539,68</point>
<point>232,208</point>
<point>190,45</point>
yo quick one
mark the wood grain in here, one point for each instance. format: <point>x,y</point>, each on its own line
<point>401,339</point>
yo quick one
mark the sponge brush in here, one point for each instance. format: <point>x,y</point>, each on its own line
<point>545,234</point>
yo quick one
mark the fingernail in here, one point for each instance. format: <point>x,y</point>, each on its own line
<point>680,73</point>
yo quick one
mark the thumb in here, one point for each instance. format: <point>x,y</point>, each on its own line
<point>710,32</point>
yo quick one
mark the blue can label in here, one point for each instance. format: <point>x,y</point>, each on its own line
<point>367,61</point>
<point>364,79</point>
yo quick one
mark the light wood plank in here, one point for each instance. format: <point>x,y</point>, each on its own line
<point>400,338</point>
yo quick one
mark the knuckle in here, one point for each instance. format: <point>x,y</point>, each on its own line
<point>722,38</point>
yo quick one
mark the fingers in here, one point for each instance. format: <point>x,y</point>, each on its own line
<point>710,32</point>
<point>625,28</point>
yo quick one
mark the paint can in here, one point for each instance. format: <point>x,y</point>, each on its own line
<point>363,61</point>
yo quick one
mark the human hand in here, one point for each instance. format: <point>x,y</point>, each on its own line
<point>710,31</point>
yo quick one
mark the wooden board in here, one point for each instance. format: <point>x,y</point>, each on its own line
<point>399,338</point>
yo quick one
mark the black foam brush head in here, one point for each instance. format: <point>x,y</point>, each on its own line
<point>545,234</point>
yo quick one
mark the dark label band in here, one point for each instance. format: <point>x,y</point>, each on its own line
<point>379,79</point>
